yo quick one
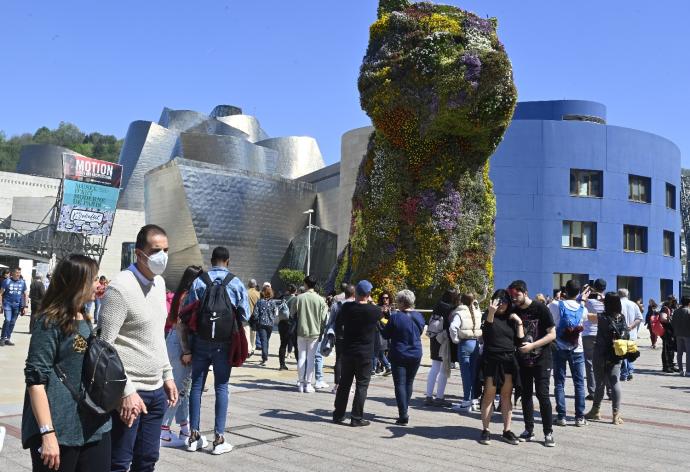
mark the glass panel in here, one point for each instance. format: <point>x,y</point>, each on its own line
<point>596,185</point>
<point>576,231</point>
<point>573,182</point>
<point>565,237</point>
<point>587,235</point>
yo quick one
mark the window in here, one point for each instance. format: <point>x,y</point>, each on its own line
<point>586,183</point>
<point>639,189</point>
<point>633,284</point>
<point>670,196</point>
<point>579,234</point>
<point>560,279</point>
<point>669,244</point>
<point>666,288</point>
<point>634,238</point>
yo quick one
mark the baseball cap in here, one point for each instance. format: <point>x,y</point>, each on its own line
<point>363,287</point>
<point>599,285</point>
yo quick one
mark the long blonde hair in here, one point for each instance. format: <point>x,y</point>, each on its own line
<point>71,287</point>
<point>467,299</point>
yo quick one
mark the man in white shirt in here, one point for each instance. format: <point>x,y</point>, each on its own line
<point>633,318</point>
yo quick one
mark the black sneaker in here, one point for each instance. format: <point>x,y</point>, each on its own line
<point>8,342</point>
<point>527,436</point>
<point>340,420</point>
<point>387,372</point>
<point>402,421</point>
<point>589,397</point>
<point>485,437</point>
<point>548,440</point>
<point>358,423</point>
<point>510,438</point>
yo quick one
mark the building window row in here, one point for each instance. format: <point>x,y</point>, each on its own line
<point>583,235</point>
<point>590,183</point>
<point>633,284</point>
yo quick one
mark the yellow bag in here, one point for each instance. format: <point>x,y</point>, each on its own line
<point>620,347</point>
<point>624,346</point>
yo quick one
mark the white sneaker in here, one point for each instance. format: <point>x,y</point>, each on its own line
<point>300,387</point>
<point>2,436</point>
<point>168,439</point>
<point>184,436</point>
<point>320,384</point>
<point>221,448</point>
<point>475,405</point>
<point>309,389</point>
<point>193,446</point>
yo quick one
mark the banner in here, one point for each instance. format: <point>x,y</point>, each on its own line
<point>87,208</point>
<point>86,169</point>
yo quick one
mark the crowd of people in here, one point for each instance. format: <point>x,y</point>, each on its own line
<point>168,342</point>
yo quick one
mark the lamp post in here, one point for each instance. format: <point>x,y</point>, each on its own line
<point>309,212</point>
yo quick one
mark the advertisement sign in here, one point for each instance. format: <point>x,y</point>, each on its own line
<point>86,169</point>
<point>90,191</point>
<point>87,208</point>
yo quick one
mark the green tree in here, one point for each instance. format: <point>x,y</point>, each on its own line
<point>291,276</point>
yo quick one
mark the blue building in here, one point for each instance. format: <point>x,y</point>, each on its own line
<point>577,198</point>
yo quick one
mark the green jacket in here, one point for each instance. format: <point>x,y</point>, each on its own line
<point>311,312</point>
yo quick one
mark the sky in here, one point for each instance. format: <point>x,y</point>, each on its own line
<point>294,64</point>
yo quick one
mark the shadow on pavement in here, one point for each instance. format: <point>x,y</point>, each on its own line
<point>435,432</point>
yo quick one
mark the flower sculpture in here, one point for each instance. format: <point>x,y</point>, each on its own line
<point>438,86</point>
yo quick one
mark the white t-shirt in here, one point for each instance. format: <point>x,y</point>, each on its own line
<point>556,314</point>
<point>631,312</point>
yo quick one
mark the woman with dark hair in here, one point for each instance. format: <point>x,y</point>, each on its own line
<point>611,325</point>
<point>503,333</point>
<point>652,310</point>
<point>440,364</point>
<point>668,340</point>
<point>380,361</point>
<point>60,435</point>
<point>263,316</point>
<point>178,345</point>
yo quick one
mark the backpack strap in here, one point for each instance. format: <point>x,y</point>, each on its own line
<point>228,278</point>
<point>206,279</point>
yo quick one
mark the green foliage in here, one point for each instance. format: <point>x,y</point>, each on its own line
<point>291,276</point>
<point>438,86</point>
<point>96,145</point>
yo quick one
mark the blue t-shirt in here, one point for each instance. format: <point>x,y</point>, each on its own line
<point>404,329</point>
<point>13,292</point>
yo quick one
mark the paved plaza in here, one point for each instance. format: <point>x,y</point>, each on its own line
<point>273,427</point>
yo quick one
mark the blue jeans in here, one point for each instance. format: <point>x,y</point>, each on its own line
<point>205,354</point>
<point>468,355</point>
<point>139,445</point>
<point>264,334</point>
<point>318,364</point>
<point>403,380</point>
<point>576,361</point>
<point>627,369</point>
<point>11,314</point>
<point>379,354</point>
<point>183,381</point>
<point>97,310</point>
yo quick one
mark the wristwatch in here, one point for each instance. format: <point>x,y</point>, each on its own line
<point>45,429</point>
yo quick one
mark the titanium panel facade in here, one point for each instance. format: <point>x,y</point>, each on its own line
<point>147,145</point>
<point>249,124</point>
<point>254,215</point>
<point>44,160</point>
<point>227,151</point>
<point>299,155</point>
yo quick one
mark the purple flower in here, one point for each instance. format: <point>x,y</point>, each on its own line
<point>427,199</point>
<point>390,248</point>
<point>447,211</point>
<point>480,24</point>
<point>473,68</point>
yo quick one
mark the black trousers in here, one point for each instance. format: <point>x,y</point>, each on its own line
<point>338,368</point>
<point>536,378</point>
<point>668,351</point>
<point>285,340</point>
<point>358,368</point>
<point>92,457</point>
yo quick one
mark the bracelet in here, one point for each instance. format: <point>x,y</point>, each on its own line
<point>43,433</point>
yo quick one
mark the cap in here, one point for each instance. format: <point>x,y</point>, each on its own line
<point>599,285</point>
<point>363,287</point>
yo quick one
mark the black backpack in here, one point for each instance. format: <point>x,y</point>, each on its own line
<point>103,378</point>
<point>216,315</point>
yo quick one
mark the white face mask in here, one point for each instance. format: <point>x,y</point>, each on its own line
<point>158,262</point>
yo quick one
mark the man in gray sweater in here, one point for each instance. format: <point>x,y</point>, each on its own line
<point>133,314</point>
